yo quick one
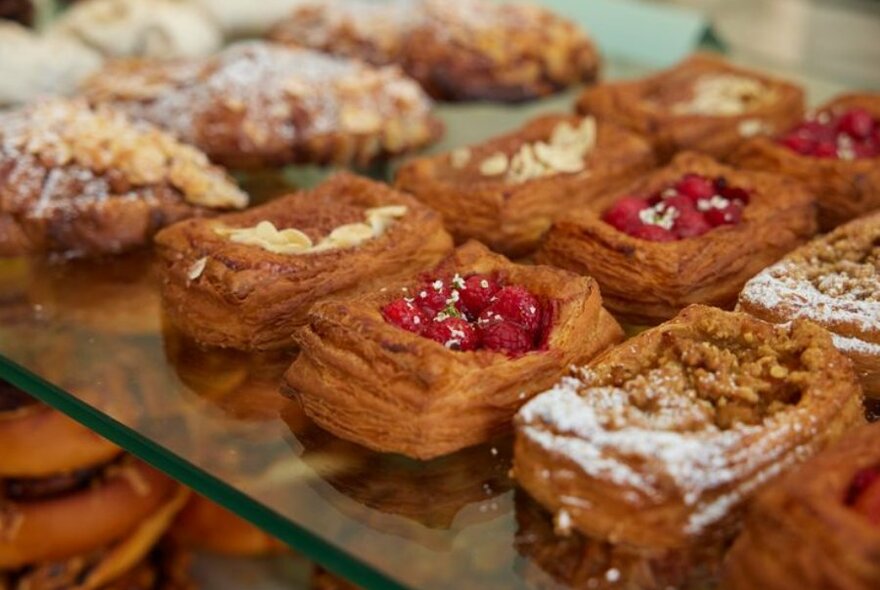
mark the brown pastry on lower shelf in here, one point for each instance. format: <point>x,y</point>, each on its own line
<point>442,361</point>
<point>77,180</point>
<point>835,282</point>
<point>692,232</point>
<point>246,280</point>
<point>835,153</point>
<point>704,104</point>
<point>818,527</point>
<point>661,441</point>
<point>506,191</point>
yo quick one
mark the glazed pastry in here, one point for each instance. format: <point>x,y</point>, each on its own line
<point>660,442</point>
<point>506,191</point>
<point>692,232</point>
<point>246,280</point>
<point>256,104</point>
<point>76,180</point>
<point>442,361</point>
<point>835,153</point>
<point>456,49</point>
<point>704,104</point>
<point>20,11</point>
<point>818,527</point>
<point>834,282</point>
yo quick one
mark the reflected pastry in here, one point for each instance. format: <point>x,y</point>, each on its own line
<point>76,180</point>
<point>506,191</point>
<point>835,153</point>
<point>20,11</point>
<point>257,104</point>
<point>456,49</point>
<point>818,527</point>
<point>661,441</point>
<point>246,280</point>
<point>692,232</point>
<point>442,361</point>
<point>704,104</point>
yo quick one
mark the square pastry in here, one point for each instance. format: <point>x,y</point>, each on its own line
<point>692,232</point>
<point>835,152</point>
<point>246,280</point>
<point>506,191</point>
<point>443,360</point>
<point>704,104</point>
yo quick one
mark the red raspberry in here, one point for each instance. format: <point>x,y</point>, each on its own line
<point>453,333</point>
<point>404,314</point>
<point>514,304</point>
<point>730,215</point>
<point>695,187</point>
<point>624,214</point>
<point>799,143</point>
<point>825,149</point>
<point>477,293</point>
<point>680,203</point>
<point>735,193</point>
<point>690,223</point>
<point>857,123</point>
<point>653,233</point>
<point>506,337</point>
<point>433,296</point>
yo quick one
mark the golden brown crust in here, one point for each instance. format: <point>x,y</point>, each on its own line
<point>456,49</point>
<point>661,441</point>
<point>845,189</point>
<point>373,383</point>
<point>257,104</point>
<point>669,108</point>
<point>324,580</point>
<point>647,282</point>
<point>206,526</point>
<point>511,215</point>
<point>80,180</point>
<point>800,534</point>
<point>239,295</point>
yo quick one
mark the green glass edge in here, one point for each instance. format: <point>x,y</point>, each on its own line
<point>306,543</point>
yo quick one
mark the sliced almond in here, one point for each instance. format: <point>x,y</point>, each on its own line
<point>494,165</point>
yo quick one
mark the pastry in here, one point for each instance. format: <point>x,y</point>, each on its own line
<point>21,11</point>
<point>256,104</point>
<point>506,191</point>
<point>456,49</point>
<point>237,18</point>
<point>660,442</point>
<point>818,527</point>
<point>246,280</point>
<point>692,232</point>
<point>76,180</point>
<point>206,526</point>
<point>835,282</point>
<point>704,104</point>
<point>441,361</point>
<point>835,153</point>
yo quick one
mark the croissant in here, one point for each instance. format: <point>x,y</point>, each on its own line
<point>660,442</point>
<point>704,104</point>
<point>381,371</point>
<point>246,280</point>
<point>692,232</point>
<point>506,191</point>
<point>818,527</point>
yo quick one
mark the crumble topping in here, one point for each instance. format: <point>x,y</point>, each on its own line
<point>724,95</point>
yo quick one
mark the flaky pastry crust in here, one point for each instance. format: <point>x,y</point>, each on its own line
<point>675,113</point>
<point>646,282</point>
<point>511,215</point>
<point>225,293</point>
<point>370,382</point>
<point>662,440</point>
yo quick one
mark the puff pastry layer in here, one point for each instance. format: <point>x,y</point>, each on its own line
<point>370,382</point>
<point>648,282</point>
<point>662,440</point>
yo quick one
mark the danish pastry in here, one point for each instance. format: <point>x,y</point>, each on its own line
<point>661,441</point>
<point>246,280</point>
<point>835,153</point>
<point>692,232</point>
<point>506,192</point>
<point>257,105</point>
<point>77,181</point>
<point>440,363</point>
<point>834,282</point>
<point>818,527</point>
<point>456,49</point>
<point>704,104</point>
<point>206,526</point>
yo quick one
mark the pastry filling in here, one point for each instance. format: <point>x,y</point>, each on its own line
<point>724,95</point>
<point>477,312</point>
<point>864,494</point>
<point>689,208</point>
<point>851,135</point>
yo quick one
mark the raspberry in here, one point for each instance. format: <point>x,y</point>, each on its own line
<point>404,314</point>
<point>734,193</point>
<point>477,293</point>
<point>695,187</point>
<point>690,223</point>
<point>653,233</point>
<point>453,333</point>
<point>730,215</point>
<point>799,143</point>
<point>506,337</point>
<point>514,304</point>
<point>825,149</point>
<point>857,123</point>
<point>680,203</point>
<point>624,214</point>
<point>433,296</point>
